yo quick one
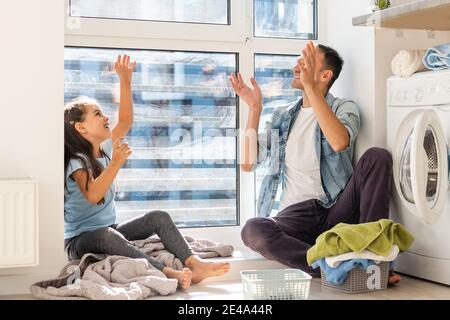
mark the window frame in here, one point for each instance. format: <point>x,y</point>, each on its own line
<point>153,20</point>
<point>314,35</point>
<point>110,27</point>
<point>188,39</point>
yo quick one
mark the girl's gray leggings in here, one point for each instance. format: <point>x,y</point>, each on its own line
<point>115,240</point>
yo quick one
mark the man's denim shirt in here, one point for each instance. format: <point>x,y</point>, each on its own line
<point>335,167</point>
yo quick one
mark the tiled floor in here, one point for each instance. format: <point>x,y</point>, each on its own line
<point>408,289</point>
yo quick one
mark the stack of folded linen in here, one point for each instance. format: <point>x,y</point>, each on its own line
<point>346,246</point>
<point>438,57</point>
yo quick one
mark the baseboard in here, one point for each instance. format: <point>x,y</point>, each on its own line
<point>20,284</point>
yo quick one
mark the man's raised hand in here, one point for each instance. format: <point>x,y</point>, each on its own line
<point>252,97</point>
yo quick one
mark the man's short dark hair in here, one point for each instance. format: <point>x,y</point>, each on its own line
<point>332,61</point>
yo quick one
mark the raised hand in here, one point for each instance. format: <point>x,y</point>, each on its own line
<point>307,65</point>
<point>252,97</point>
<point>121,152</point>
<point>124,69</point>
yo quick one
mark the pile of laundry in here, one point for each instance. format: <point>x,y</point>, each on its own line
<point>408,62</point>
<point>103,277</point>
<point>348,246</point>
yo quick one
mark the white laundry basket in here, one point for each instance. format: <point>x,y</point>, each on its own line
<point>276,284</point>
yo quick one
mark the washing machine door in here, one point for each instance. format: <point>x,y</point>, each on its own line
<point>422,164</point>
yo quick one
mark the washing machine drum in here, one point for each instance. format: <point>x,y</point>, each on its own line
<point>421,165</point>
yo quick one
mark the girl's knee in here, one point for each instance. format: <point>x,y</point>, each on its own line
<point>159,216</point>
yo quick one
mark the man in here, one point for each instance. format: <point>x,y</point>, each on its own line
<point>310,147</point>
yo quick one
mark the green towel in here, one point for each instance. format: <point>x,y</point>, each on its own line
<point>377,237</point>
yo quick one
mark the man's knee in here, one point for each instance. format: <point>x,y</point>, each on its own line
<point>254,233</point>
<point>378,156</point>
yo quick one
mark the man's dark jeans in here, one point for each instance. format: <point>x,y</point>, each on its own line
<point>288,236</point>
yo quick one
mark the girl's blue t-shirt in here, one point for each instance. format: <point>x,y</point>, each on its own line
<point>81,216</point>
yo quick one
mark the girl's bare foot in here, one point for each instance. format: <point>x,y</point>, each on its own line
<point>393,278</point>
<point>202,270</point>
<point>184,276</point>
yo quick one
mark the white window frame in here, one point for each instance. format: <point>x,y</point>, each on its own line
<point>235,38</point>
<point>152,29</point>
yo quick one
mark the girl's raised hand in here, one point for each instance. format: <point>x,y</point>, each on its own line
<point>121,152</point>
<point>124,69</point>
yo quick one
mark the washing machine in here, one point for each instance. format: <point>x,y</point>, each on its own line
<point>418,137</point>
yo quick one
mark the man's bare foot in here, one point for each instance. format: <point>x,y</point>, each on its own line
<point>202,270</point>
<point>184,276</point>
<point>393,278</point>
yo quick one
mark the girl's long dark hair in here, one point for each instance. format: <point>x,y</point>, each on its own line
<point>75,146</point>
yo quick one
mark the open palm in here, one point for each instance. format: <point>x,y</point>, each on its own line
<point>124,69</point>
<point>252,97</point>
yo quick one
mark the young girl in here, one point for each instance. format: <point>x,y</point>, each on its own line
<point>93,155</point>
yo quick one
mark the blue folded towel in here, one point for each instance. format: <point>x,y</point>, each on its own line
<point>338,275</point>
<point>438,57</point>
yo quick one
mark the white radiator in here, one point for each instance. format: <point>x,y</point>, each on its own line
<point>19,245</point>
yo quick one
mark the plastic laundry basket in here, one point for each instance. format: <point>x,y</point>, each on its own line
<point>279,284</point>
<point>359,281</point>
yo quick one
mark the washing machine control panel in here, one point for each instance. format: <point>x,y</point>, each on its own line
<point>422,89</point>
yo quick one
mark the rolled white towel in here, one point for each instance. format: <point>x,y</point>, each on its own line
<point>408,62</point>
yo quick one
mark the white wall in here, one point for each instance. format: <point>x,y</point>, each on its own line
<point>356,45</point>
<point>31,131</point>
<point>368,53</point>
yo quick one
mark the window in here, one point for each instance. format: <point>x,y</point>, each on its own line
<point>186,138</point>
<point>193,11</point>
<point>274,74</point>
<point>184,135</point>
<point>285,18</point>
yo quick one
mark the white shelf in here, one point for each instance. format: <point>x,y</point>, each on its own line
<point>422,14</point>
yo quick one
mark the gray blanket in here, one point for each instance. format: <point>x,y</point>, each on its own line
<point>203,248</point>
<point>104,277</point>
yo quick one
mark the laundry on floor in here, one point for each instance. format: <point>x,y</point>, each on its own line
<point>438,57</point>
<point>99,276</point>
<point>205,249</point>
<point>348,246</point>
<point>102,277</point>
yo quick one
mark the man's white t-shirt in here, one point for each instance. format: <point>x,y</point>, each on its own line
<point>302,167</point>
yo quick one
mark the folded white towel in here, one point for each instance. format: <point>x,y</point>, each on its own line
<point>408,62</point>
<point>335,261</point>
